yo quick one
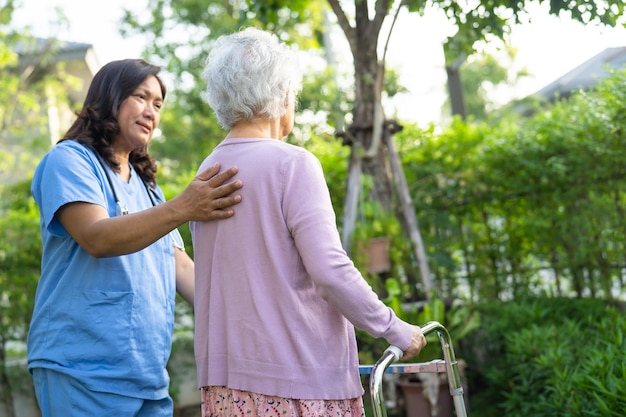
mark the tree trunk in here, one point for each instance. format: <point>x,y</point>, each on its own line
<point>365,157</point>
<point>351,206</point>
<point>408,213</point>
<point>365,135</point>
<point>455,88</point>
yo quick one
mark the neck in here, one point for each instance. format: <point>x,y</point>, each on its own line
<point>123,160</point>
<point>269,129</point>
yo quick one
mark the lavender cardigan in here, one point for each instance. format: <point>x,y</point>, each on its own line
<point>276,296</point>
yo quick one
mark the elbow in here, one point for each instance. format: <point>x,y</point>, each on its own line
<point>97,250</point>
<point>102,243</point>
<point>99,254</point>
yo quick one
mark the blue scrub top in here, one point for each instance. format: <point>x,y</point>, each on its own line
<point>107,322</point>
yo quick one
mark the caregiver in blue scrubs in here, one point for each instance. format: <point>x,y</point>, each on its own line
<point>112,260</point>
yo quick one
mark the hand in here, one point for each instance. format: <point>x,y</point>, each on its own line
<point>207,197</point>
<point>418,341</point>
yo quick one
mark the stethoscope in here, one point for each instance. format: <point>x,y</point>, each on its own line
<point>121,209</point>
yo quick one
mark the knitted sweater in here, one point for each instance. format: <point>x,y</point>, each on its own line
<point>276,296</point>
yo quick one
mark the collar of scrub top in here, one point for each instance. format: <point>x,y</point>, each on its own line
<point>121,209</point>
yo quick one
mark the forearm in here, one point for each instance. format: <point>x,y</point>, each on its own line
<point>339,282</point>
<point>205,198</point>
<point>184,275</point>
<point>122,235</point>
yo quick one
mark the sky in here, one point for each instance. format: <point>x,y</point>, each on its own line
<point>548,47</point>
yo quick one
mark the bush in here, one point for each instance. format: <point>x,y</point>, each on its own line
<point>548,357</point>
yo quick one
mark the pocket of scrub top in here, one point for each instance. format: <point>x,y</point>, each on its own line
<point>101,332</point>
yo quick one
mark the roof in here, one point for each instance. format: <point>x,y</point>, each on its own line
<point>39,45</point>
<point>44,52</point>
<point>586,75</point>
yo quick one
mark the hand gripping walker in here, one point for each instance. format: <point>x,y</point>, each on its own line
<point>392,354</point>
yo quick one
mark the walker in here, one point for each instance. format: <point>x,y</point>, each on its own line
<point>392,354</point>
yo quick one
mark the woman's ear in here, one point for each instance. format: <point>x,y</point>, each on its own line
<point>287,98</point>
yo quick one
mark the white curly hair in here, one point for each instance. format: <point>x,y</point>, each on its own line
<point>249,74</point>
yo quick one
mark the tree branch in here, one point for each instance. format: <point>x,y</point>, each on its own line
<point>344,24</point>
<point>393,24</point>
<point>382,8</point>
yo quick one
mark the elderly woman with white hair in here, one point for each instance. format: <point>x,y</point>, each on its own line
<point>277,298</point>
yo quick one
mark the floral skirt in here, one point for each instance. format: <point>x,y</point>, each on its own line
<point>226,402</point>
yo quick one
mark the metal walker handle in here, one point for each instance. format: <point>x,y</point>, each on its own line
<point>393,354</point>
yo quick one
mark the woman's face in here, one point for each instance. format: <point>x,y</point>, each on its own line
<point>139,116</point>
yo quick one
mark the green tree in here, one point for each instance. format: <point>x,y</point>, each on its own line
<point>483,73</point>
<point>362,23</point>
<point>31,83</point>
<point>16,273</point>
<point>475,23</point>
<point>526,207</point>
<point>181,38</point>
<point>26,86</point>
<point>20,256</point>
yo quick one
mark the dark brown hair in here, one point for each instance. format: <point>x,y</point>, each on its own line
<point>97,124</point>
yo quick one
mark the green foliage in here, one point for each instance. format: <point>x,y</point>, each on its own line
<point>375,226</point>
<point>373,220</point>
<point>333,157</point>
<point>526,207</point>
<point>278,16</point>
<point>482,75</point>
<point>189,128</point>
<point>189,135</point>
<point>20,254</point>
<point>507,209</point>
<point>548,357</point>
<point>24,92</point>
<point>459,319</point>
<point>493,18</point>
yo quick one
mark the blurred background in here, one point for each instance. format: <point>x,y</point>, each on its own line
<point>487,162</point>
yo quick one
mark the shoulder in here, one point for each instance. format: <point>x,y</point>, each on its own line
<point>68,173</point>
<point>300,165</point>
<point>68,159</point>
<point>70,152</point>
<point>306,159</point>
<point>297,153</point>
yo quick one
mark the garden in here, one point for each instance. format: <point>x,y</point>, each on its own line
<point>521,220</point>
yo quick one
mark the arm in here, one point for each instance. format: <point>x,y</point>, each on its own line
<point>184,275</point>
<point>311,220</point>
<point>205,198</point>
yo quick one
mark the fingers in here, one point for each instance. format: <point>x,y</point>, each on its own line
<point>226,189</point>
<point>223,176</point>
<point>224,205</point>
<point>209,172</point>
<point>216,180</point>
<point>214,193</point>
<point>418,342</point>
<point>222,214</point>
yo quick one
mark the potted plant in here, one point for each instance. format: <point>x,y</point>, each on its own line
<point>373,249</point>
